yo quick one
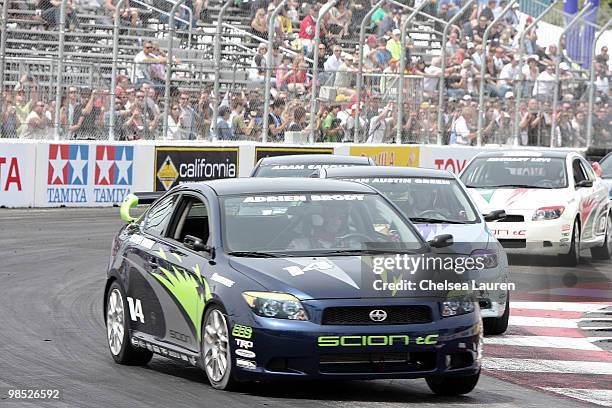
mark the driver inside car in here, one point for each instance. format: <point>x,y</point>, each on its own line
<point>323,229</point>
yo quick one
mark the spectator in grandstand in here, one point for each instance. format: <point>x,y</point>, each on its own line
<point>150,99</point>
<point>432,77</point>
<point>394,45</point>
<point>487,11</point>
<point>479,29</point>
<point>297,78</point>
<point>309,25</point>
<point>383,56</point>
<point>602,126</point>
<point>174,132</point>
<point>224,129</point>
<point>340,18</point>
<point>71,113</point>
<point>334,61</point>
<point>602,86</point>
<point>379,124</point>
<point>511,17</point>
<point>461,133</point>
<point>532,120</point>
<point>127,13</point>
<point>500,59</point>
<point>278,121</point>
<point>388,81</point>
<point>508,75</point>
<point>143,62</point>
<point>186,118</point>
<point>257,71</point>
<point>240,128</point>
<point>545,84</point>
<point>579,124</point>
<point>332,127</point>
<point>23,104</point>
<point>282,72</point>
<point>36,124</point>
<point>564,132</point>
<point>369,53</point>
<point>88,121</point>
<point>603,58</point>
<point>346,76</point>
<point>203,115</point>
<point>452,45</point>
<point>299,122</point>
<point>158,70</point>
<point>9,122</point>
<point>347,121</point>
<point>530,74</point>
<point>259,25</point>
<point>48,11</point>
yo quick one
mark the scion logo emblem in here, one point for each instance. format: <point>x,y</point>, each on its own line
<point>378,315</point>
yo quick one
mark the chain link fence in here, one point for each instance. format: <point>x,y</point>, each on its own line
<point>259,70</point>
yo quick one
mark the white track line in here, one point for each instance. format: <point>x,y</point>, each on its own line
<point>543,322</point>
<point>544,341</point>
<point>560,306</point>
<point>546,366</point>
<point>598,397</point>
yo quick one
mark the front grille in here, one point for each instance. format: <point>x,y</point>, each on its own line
<point>377,362</point>
<point>360,315</point>
<point>513,218</point>
<point>513,243</point>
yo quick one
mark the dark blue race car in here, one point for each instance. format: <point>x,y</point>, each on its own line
<point>254,279</point>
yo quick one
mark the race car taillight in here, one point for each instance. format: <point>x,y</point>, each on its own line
<point>548,213</point>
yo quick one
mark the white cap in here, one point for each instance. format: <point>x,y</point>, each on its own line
<point>509,94</point>
<point>467,97</point>
<point>397,32</point>
<point>470,45</point>
<point>564,66</point>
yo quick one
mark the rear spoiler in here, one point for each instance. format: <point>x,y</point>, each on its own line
<point>132,200</point>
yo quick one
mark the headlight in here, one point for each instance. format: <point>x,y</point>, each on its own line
<point>485,259</point>
<point>548,213</point>
<point>457,306</point>
<point>274,304</point>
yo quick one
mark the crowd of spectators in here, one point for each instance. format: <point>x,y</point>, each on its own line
<point>139,106</point>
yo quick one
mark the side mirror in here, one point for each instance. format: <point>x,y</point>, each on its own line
<point>195,244</point>
<point>495,215</point>
<point>130,201</point>
<point>441,241</point>
<point>584,183</point>
<point>597,168</point>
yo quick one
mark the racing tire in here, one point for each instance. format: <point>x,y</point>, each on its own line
<point>604,252</point>
<point>453,385</point>
<point>497,325</point>
<point>572,258</point>
<point>117,330</point>
<point>216,350</point>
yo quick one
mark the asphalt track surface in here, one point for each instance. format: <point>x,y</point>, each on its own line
<point>52,335</point>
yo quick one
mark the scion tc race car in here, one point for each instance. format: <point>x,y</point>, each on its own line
<point>303,165</point>
<point>554,202</point>
<point>437,203</point>
<point>254,279</point>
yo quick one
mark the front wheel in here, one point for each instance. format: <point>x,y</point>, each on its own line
<point>453,385</point>
<point>216,350</point>
<point>605,251</point>
<point>497,325</point>
<point>572,258</point>
<point>117,330</point>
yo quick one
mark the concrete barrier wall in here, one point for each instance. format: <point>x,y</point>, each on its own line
<point>92,173</point>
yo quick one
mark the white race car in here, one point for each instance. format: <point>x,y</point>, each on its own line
<point>554,203</point>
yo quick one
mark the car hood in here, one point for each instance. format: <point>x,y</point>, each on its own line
<point>336,277</point>
<point>466,237</point>
<point>517,199</point>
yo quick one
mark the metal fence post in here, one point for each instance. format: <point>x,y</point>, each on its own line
<point>400,92</point>
<point>3,56</point>
<point>592,84</point>
<point>359,84</point>
<point>113,90</point>
<point>217,57</point>
<point>315,68</point>
<point>60,70</point>
<point>447,27</point>
<point>553,114</point>
<point>169,58</point>
<point>485,36</point>
<point>264,136</point>
<point>519,90</point>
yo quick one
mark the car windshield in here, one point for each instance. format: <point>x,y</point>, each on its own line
<point>314,224</point>
<point>295,170</point>
<point>426,200</point>
<point>606,167</point>
<point>512,172</point>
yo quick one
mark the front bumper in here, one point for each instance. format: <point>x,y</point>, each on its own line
<point>547,237</point>
<point>284,349</point>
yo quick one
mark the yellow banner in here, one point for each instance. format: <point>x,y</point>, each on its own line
<point>390,155</point>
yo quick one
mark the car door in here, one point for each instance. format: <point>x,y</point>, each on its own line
<point>188,268</point>
<point>598,201</point>
<point>584,197</point>
<point>145,299</point>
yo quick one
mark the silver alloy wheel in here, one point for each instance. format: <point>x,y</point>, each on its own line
<point>216,346</point>
<point>114,321</point>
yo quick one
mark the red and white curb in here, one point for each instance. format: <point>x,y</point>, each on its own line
<point>544,348</point>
